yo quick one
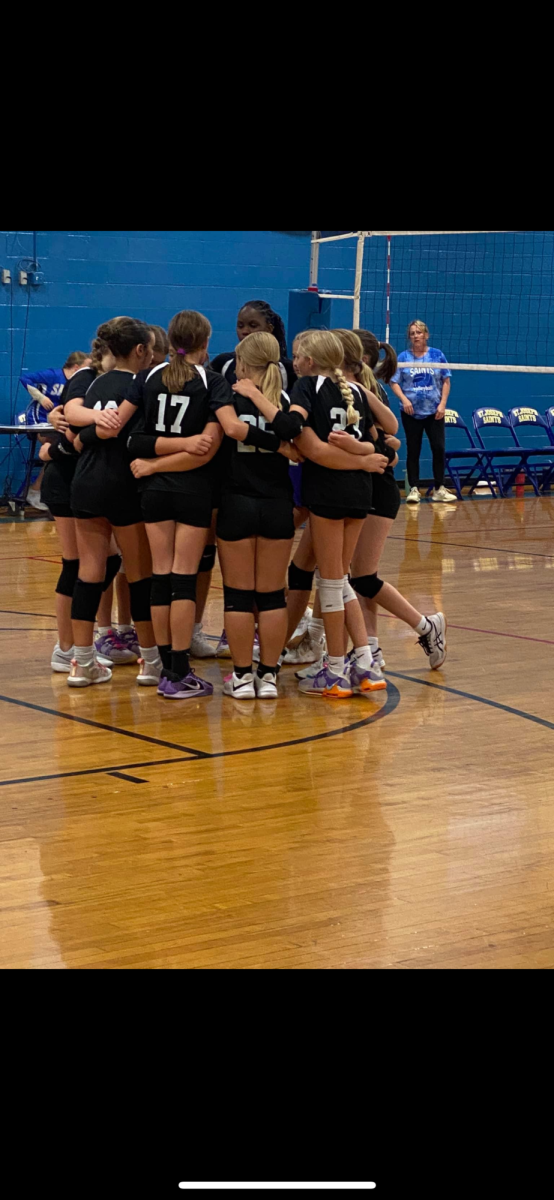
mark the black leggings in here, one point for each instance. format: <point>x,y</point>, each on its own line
<point>414,430</point>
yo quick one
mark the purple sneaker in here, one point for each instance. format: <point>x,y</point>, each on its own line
<point>337,687</point>
<point>130,641</point>
<point>362,680</point>
<point>112,649</point>
<point>189,688</point>
<point>162,685</point>
<point>223,650</point>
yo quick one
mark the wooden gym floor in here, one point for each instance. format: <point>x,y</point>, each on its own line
<point>413,830</point>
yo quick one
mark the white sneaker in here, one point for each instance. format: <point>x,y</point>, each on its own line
<point>414,497</point>
<point>434,642</point>
<point>84,675</point>
<point>200,647</point>
<point>62,659</point>
<point>149,673</point>
<point>301,629</point>
<point>240,689</point>
<point>441,496</point>
<point>33,498</point>
<point>306,652</point>
<point>266,688</point>
<point>311,672</point>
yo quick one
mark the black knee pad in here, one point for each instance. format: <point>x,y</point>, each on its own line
<point>68,577</point>
<point>238,600</point>
<point>270,601</point>
<point>160,593</point>
<point>140,599</point>
<point>112,569</point>
<point>300,581</point>
<point>183,587</point>
<point>368,586</point>
<point>86,599</point>
<point>207,562</point>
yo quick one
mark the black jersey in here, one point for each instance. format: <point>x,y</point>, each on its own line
<point>263,474</point>
<point>181,416</point>
<point>323,401</point>
<point>103,478</point>
<point>58,476</point>
<point>225,365</point>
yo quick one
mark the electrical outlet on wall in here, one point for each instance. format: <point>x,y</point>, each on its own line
<point>6,276</point>
<point>23,278</point>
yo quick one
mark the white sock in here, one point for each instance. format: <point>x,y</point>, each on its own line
<point>363,657</point>
<point>336,665</point>
<point>150,654</point>
<point>84,655</point>
<point>103,630</point>
<point>424,626</point>
<point>125,628</point>
<point>316,629</point>
<point>373,644</point>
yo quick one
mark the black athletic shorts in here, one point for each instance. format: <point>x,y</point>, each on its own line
<point>386,496</point>
<point>176,506</point>
<point>246,517</point>
<point>338,514</point>
<point>61,510</point>
<point>128,513</point>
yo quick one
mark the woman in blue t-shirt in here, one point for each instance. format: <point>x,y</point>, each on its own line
<point>423,394</point>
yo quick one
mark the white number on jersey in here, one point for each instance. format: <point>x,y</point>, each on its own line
<point>251,420</point>
<point>342,424</point>
<point>110,404</point>
<point>183,403</point>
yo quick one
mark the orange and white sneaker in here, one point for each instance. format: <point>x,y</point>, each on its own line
<point>84,675</point>
<point>326,683</point>
<point>363,680</point>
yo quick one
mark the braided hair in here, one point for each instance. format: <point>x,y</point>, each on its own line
<point>273,319</point>
<point>327,351</point>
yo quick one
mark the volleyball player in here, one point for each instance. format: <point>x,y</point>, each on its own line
<point>173,453</point>
<point>161,345</point>
<point>46,389</point>
<point>257,316</point>
<point>61,460</point>
<point>255,527</point>
<point>104,498</point>
<point>338,502</point>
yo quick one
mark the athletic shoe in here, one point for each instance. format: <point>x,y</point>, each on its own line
<point>301,629</point>
<point>130,641</point>
<point>434,643</point>
<point>240,689</point>
<point>266,688</point>
<point>82,676</point>
<point>62,659</point>
<point>149,673</point>
<point>162,684</point>
<point>362,680</point>
<point>200,647</point>
<point>378,659</point>
<point>311,672</point>
<point>307,651</point>
<point>256,648</point>
<point>113,651</point>
<point>223,650</point>
<point>441,496</point>
<point>336,687</point>
<point>414,497</point>
<point>189,688</point>
<point>33,498</point>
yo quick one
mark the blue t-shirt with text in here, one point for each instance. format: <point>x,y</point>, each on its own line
<point>422,385</point>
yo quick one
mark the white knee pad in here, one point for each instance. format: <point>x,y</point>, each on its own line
<point>348,593</point>
<point>331,595</point>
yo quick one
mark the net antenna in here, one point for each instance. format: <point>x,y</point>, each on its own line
<point>399,265</point>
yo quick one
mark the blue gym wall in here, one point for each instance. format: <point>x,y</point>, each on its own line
<point>486,298</point>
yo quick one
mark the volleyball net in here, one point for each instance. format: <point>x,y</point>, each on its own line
<point>486,295</point>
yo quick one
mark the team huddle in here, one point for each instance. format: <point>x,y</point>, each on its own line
<point>154,463</point>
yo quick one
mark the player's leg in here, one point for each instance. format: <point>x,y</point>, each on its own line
<point>366,559</point>
<point>363,677</point>
<point>238,566</point>
<point>62,654</point>
<point>93,544</point>
<point>190,542</point>
<point>272,557</point>
<point>331,542</point>
<point>135,548</point>
<point>200,646</point>
<point>161,538</point>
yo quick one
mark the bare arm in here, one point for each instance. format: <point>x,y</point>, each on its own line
<point>336,459</point>
<point>77,414</point>
<point>232,425</point>
<point>176,462</point>
<point>384,416</point>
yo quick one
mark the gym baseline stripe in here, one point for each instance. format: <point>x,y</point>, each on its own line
<point>439,687</point>
<point>455,546</point>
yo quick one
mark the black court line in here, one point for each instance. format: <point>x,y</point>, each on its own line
<point>455,546</point>
<point>140,737</point>
<point>392,702</point>
<point>24,629</point>
<point>127,778</point>
<point>513,712</point>
<point>16,612</point>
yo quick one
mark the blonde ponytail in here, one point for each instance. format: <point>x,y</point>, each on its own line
<point>352,414</point>
<point>260,352</point>
<point>368,380</point>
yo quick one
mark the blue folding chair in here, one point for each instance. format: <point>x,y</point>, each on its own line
<point>503,458</point>
<point>534,434</point>
<point>463,457</point>
<point>549,417</point>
